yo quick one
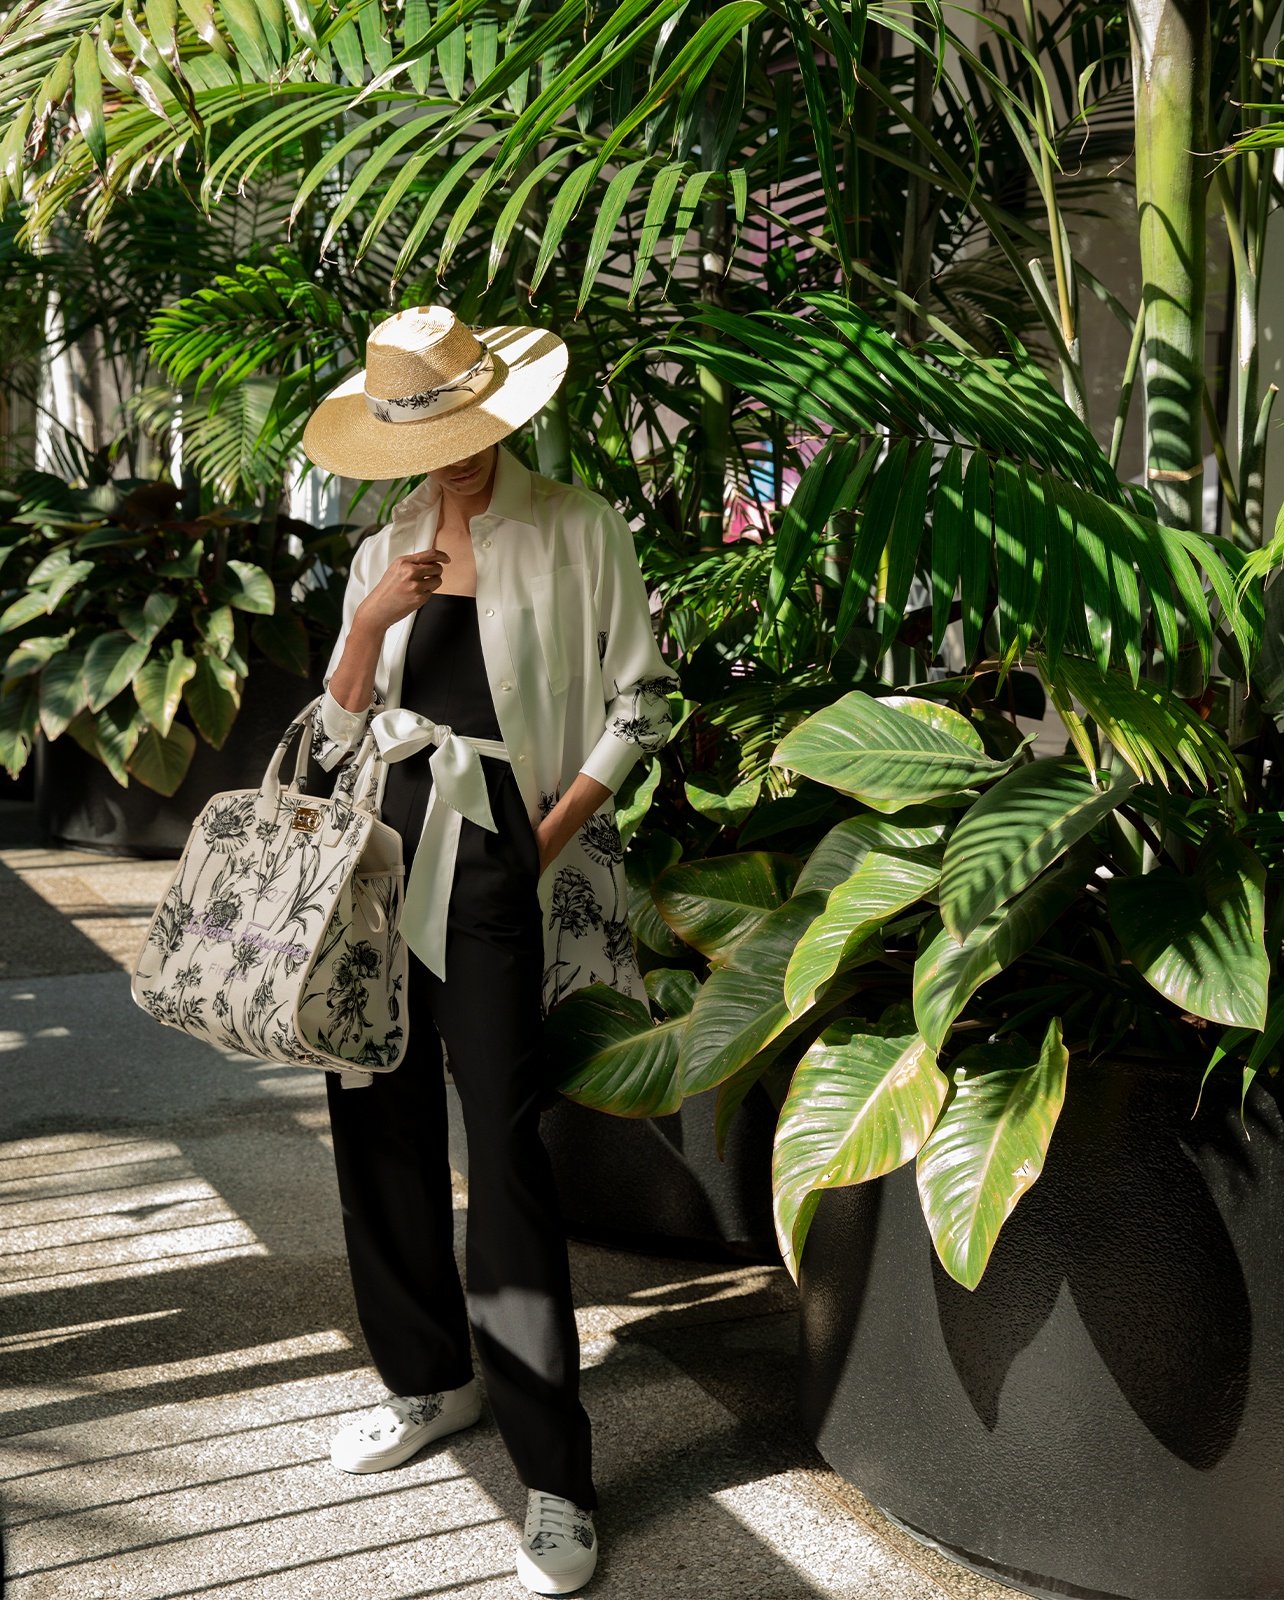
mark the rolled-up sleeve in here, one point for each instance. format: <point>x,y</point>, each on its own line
<point>336,731</point>
<point>636,679</point>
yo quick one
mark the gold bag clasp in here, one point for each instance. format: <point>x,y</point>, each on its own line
<point>307,818</point>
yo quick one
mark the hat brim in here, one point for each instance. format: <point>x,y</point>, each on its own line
<point>344,436</point>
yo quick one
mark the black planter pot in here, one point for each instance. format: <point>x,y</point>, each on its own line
<point>22,787</point>
<point>1104,1415</point>
<point>78,802</point>
<point>657,1183</point>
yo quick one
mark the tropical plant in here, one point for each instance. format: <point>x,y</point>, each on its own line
<point>131,628</point>
<point>974,918</point>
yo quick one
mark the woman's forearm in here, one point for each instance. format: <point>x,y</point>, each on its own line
<point>585,796</point>
<point>352,682</point>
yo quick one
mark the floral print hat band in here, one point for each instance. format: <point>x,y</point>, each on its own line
<point>433,390</point>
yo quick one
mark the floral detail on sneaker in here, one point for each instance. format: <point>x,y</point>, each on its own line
<point>426,1408</point>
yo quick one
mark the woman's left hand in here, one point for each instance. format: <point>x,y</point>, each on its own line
<point>555,831</point>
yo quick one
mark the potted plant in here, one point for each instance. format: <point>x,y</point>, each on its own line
<point>983,937</point>
<point>129,633</point>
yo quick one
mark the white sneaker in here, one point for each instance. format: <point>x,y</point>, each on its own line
<point>403,1424</point>
<point>559,1549</point>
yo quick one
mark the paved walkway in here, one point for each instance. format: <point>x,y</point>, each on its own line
<point>179,1340</point>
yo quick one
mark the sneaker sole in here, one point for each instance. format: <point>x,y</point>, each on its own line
<point>396,1454</point>
<point>565,1583</point>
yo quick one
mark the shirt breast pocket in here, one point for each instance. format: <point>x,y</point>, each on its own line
<point>557,599</point>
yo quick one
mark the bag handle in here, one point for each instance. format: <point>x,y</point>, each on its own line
<point>356,772</point>
<point>270,788</point>
<point>369,777</point>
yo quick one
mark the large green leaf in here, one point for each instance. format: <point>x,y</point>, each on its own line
<point>988,1147</point>
<point>110,663</point>
<point>888,756</point>
<point>160,761</point>
<point>728,807</point>
<point>248,587</point>
<point>941,717</point>
<point>1199,937</point>
<point>158,687</point>
<point>713,903</point>
<point>673,989</point>
<point>884,883</point>
<point>612,1056</point>
<point>19,713</point>
<point>629,816</point>
<point>26,608</point>
<point>35,652</point>
<point>643,864</point>
<point>847,844</point>
<point>947,974</point>
<point>63,692</point>
<point>213,696</point>
<point>146,621</point>
<point>1015,830</point>
<point>119,730</point>
<point>741,1008</point>
<point>860,1105</point>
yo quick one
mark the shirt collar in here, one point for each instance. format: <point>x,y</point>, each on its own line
<point>510,494</point>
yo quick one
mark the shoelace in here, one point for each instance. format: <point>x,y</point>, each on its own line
<point>552,1514</point>
<point>391,1414</point>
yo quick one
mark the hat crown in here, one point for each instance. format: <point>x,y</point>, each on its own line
<point>417,350</point>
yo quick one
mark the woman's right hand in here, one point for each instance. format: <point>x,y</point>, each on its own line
<point>406,583</point>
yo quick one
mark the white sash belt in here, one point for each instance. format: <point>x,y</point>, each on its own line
<point>458,791</point>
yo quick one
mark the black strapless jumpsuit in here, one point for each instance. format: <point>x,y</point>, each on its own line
<point>390,1138</point>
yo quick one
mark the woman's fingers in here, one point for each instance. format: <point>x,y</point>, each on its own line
<point>426,558</point>
<point>424,567</point>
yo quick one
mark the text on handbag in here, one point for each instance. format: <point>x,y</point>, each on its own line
<point>199,924</point>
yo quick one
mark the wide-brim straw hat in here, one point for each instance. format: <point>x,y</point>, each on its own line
<point>433,391</point>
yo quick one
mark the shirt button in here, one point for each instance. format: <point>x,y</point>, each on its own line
<point>489,612</point>
<point>485,544</point>
<point>521,758</point>
<point>505,684</point>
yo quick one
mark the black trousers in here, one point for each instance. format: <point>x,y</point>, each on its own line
<point>390,1152</point>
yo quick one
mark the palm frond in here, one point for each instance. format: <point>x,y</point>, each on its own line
<point>1157,734</point>
<point>1063,548</point>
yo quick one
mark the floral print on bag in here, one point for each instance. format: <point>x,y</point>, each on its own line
<point>274,939</point>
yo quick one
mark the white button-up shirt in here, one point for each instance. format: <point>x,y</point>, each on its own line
<point>578,683</point>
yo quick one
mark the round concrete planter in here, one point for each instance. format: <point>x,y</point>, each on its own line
<point>1104,1414</point>
<point>78,802</point>
<point>657,1183</point>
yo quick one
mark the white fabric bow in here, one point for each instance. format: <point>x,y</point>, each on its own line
<point>458,791</point>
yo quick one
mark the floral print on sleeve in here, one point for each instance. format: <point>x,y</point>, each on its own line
<point>329,751</point>
<point>636,679</point>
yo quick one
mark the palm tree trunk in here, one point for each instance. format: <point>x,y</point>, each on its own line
<point>1170,51</point>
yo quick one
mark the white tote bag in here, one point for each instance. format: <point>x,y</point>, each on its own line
<point>278,934</point>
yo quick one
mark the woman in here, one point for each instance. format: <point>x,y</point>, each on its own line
<point>496,641</point>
